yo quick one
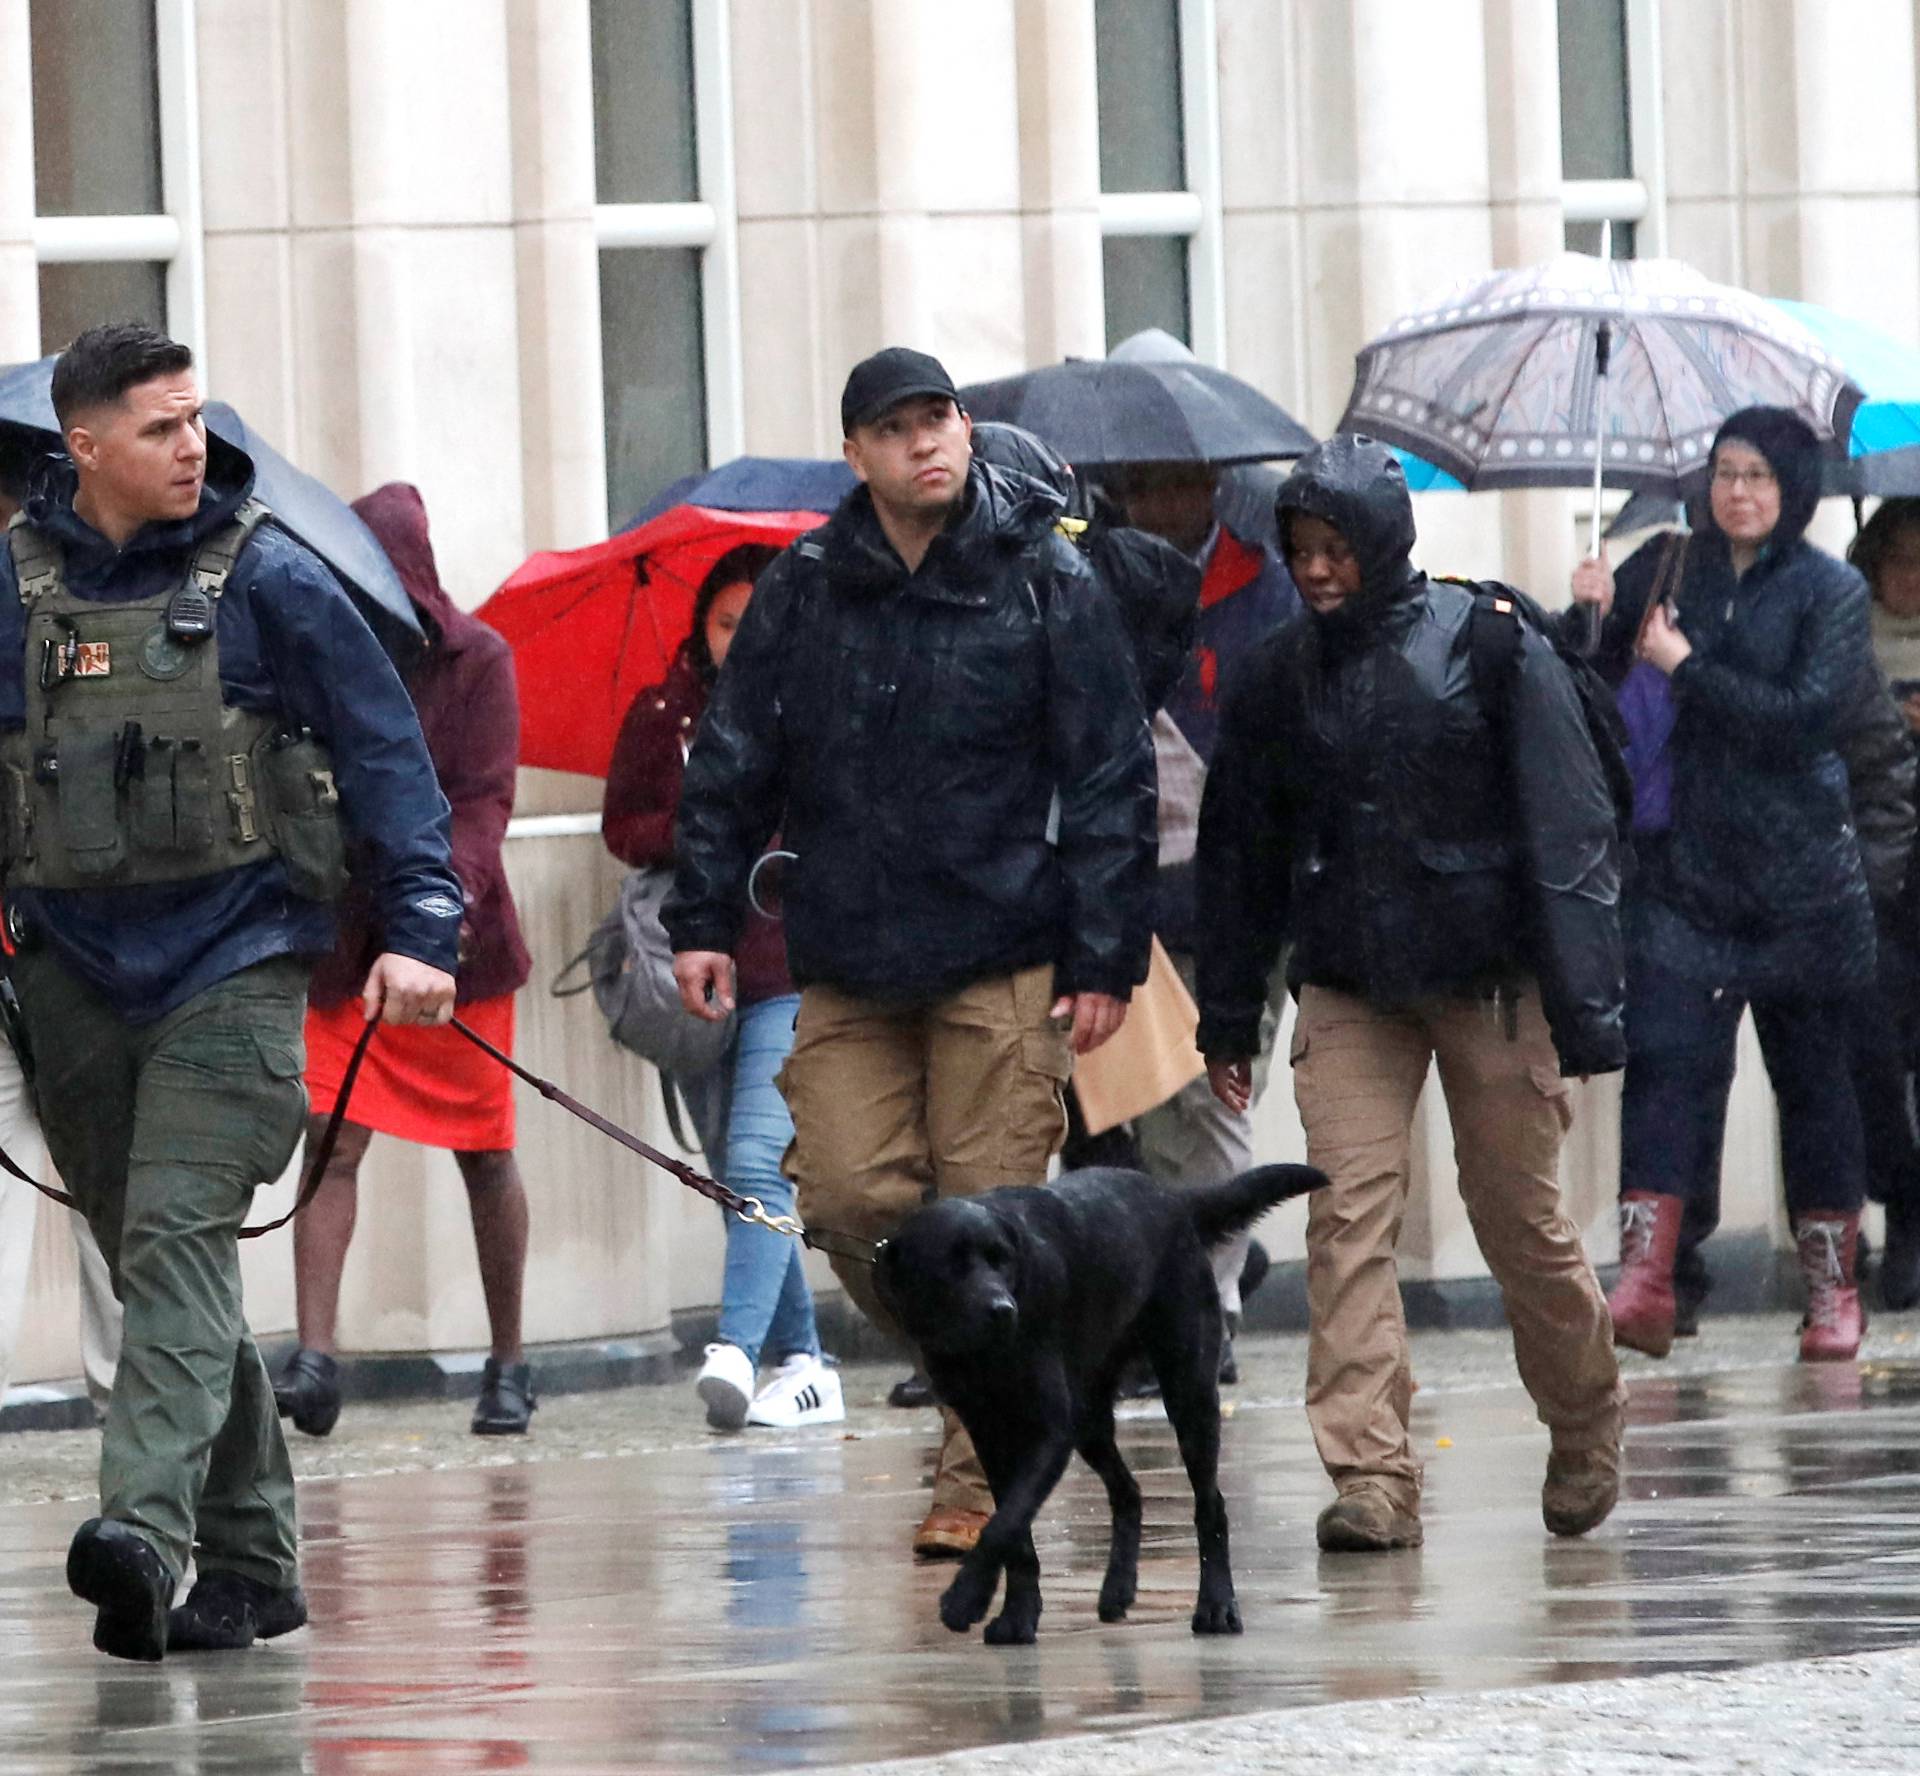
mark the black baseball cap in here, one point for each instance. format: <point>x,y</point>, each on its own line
<point>889,377</point>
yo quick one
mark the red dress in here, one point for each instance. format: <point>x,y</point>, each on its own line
<point>420,1082</point>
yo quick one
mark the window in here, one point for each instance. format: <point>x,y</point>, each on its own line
<point>1610,146</point>
<point>669,300</point>
<point>1159,169</point>
<point>115,167</point>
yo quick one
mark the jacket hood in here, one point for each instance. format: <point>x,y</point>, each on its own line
<point>1792,452</point>
<point>1357,485</point>
<point>1014,448</point>
<point>1002,509</point>
<point>54,481</point>
<point>397,516</point>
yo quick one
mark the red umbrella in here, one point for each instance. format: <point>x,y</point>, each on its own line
<point>591,628</point>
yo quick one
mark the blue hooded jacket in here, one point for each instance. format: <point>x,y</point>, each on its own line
<point>292,645</point>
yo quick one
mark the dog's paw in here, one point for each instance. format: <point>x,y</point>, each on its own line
<point>1116,1597</point>
<point>1014,1626</point>
<point>965,1601</point>
<point>1216,1616</point>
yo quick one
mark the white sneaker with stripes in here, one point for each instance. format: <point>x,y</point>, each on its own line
<point>803,1391</point>
<point>726,1385</point>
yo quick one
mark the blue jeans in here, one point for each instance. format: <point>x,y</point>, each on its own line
<point>744,1127</point>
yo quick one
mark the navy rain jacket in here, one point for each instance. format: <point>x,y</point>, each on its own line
<point>291,644</point>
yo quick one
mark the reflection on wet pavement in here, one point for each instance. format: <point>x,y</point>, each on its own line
<point>743,1607</point>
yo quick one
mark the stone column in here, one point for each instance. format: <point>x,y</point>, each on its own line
<point>19,271</point>
<point>563,445</point>
<point>1059,146</point>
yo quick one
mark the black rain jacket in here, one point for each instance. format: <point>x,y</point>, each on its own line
<point>910,734</point>
<point>1876,746</point>
<point>1410,831</point>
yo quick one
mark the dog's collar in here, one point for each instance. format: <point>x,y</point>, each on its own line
<point>843,1245</point>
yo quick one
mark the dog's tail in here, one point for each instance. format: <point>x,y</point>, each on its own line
<point>1220,1210</point>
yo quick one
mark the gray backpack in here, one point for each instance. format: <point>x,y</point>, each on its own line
<point>629,964</point>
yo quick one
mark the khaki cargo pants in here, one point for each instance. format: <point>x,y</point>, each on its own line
<point>896,1105</point>
<point>1357,1072</point>
<point>160,1132</point>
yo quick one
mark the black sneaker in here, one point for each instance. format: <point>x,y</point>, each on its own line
<point>226,1612</point>
<point>914,1390</point>
<point>121,1573</point>
<point>1254,1272</point>
<point>307,1390</point>
<point>506,1400</point>
<point>1692,1284</point>
<point>1900,1262</point>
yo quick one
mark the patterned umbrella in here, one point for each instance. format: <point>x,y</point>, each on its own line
<point>1507,380</point>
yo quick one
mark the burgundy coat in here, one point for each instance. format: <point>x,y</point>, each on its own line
<point>643,799</point>
<point>463,688</point>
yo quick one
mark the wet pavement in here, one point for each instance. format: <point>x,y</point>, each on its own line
<point>734,1605</point>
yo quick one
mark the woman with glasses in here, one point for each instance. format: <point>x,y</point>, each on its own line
<point>1734,651</point>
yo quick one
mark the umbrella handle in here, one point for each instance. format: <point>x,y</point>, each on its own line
<point>1602,361</point>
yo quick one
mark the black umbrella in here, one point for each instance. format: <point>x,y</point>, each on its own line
<point>1098,413</point>
<point>308,508</point>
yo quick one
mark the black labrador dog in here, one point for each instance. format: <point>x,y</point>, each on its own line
<point>1025,1304</point>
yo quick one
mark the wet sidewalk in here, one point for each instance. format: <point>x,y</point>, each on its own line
<point>732,1605</point>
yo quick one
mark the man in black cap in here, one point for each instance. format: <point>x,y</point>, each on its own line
<point>932,701</point>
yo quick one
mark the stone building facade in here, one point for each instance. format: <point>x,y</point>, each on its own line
<point>539,256</point>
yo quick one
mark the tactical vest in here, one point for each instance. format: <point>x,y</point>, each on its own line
<point>131,769</point>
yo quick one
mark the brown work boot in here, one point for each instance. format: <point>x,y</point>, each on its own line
<point>1642,1303</point>
<point>948,1532</point>
<point>1835,1319</point>
<point>1366,1521</point>
<point>1581,1488</point>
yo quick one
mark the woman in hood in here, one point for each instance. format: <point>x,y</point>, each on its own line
<point>1750,887</point>
<point>428,1085</point>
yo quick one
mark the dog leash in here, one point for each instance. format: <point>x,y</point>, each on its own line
<point>316,1165</point>
<point>748,1208</point>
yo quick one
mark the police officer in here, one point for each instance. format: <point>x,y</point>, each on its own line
<point>193,719</point>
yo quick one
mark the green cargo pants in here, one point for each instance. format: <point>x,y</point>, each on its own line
<point>160,1132</point>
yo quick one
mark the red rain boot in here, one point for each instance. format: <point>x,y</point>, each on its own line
<point>1835,1319</point>
<point>1642,1302</point>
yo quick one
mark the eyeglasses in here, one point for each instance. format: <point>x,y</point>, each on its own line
<point>1755,480</point>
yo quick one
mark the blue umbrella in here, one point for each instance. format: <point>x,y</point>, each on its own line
<point>755,484</point>
<point>1425,477</point>
<point>1889,372</point>
<point>308,508</point>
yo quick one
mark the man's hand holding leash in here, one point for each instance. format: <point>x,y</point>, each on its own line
<point>400,990</point>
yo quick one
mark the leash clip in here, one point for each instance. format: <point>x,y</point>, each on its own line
<point>754,1212</point>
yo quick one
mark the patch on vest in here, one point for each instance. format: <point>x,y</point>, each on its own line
<point>161,656</point>
<point>92,659</point>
